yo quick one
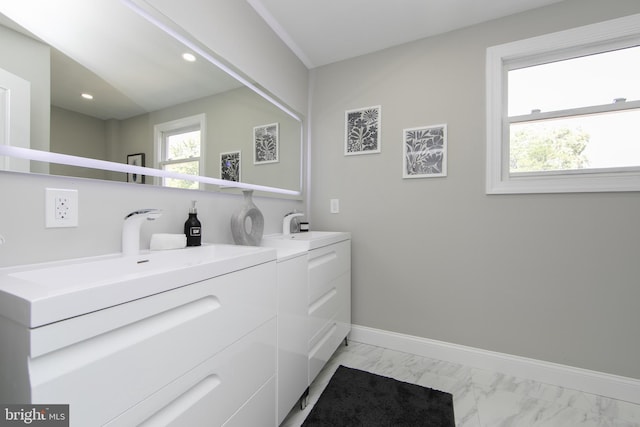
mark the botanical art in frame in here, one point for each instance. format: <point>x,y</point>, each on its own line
<point>230,166</point>
<point>135,160</point>
<point>425,152</point>
<point>265,144</point>
<point>362,130</point>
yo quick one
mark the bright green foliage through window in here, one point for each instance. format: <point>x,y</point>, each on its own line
<point>544,148</point>
<point>183,145</point>
<point>182,155</point>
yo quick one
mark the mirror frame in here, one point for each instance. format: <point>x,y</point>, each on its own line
<point>66,159</point>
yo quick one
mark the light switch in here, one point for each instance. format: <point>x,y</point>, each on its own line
<point>335,206</point>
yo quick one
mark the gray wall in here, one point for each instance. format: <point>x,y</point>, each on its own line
<point>550,277</point>
<point>78,135</point>
<point>104,204</point>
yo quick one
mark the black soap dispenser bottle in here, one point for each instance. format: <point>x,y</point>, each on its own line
<point>193,228</point>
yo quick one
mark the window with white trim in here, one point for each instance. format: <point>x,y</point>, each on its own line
<point>563,111</point>
<point>179,149</point>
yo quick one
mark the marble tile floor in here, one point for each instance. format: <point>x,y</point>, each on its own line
<point>481,398</point>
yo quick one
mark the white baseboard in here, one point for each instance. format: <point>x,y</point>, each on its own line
<point>593,382</point>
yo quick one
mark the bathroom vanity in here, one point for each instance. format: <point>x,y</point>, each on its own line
<point>314,307</point>
<point>169,338</point>
<point>216,335</point>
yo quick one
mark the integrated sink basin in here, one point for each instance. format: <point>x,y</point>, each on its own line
<point>38,294</point>
<point>92,271</point>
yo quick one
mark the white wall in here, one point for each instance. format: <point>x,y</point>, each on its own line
<point>102,208</point>
<point>103,205</point>
<point>550,277</point>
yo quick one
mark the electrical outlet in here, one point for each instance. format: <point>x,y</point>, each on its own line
<point>61,208</point>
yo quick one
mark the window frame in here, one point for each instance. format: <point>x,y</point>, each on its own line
<point>590,39</point>
<point>161,129</point>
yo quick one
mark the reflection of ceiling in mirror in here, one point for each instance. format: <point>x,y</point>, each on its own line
<point>145,58</point>
<point>69,78</point>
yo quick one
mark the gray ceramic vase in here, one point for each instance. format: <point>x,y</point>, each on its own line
<point>247,224</point>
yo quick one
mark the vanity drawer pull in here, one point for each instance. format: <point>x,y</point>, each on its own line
<point>57,363</point>
<point>322,259</point>
<point>182,403</point>
<point>322,300</point>
<point>323,340</point>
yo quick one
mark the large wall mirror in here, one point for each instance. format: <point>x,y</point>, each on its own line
<point>150,106</point>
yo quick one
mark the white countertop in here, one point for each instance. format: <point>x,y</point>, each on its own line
<point>39,294</point>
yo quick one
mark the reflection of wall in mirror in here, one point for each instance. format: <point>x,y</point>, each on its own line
<point>30,60</point>
<point>231,117</point>
<point>66,128</point>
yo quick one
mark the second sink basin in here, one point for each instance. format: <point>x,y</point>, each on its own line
<point>306,241</point>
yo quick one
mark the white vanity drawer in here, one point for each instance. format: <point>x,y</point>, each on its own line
<point>134,352</point>
<point>321,312</point>
<point>330,323</point>
<point>325,345</point>
<point>326,264</point>
<point>219,390</point>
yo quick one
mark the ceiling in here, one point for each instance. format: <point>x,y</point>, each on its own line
<point>320,32</point>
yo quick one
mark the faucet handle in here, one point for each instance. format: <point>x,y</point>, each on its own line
<point>294,214</point>
<point>152,213</point>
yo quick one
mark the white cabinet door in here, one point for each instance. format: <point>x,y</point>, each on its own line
<point>292,333</point>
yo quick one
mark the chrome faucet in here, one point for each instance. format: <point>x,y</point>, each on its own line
<point>286,223</point>
<point>131,229</point>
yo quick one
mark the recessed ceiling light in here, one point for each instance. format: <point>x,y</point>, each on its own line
<point>87,96</point>
<point>189,57</point>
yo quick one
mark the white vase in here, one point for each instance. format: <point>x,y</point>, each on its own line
<point>247,223</point>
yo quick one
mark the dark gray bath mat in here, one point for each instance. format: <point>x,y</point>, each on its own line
<point>358,398</point>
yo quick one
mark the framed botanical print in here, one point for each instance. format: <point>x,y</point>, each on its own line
<point>362,130</point>
<point>424,152</point>
<point>230,163</point>
<point>265,144</point>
